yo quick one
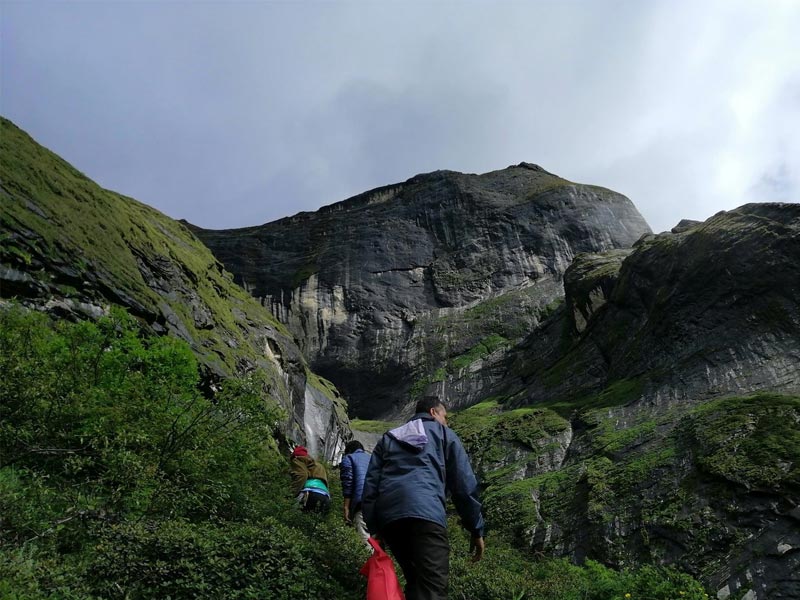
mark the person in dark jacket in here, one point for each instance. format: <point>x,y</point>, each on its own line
<point>353,471</point>
<point>309,481</point>
<point>413,468</point>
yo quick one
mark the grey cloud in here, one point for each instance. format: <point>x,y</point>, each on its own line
<point>777,185</point>
<point>233,114</point>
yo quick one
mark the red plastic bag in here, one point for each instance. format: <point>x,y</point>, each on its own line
<point>382,583</point>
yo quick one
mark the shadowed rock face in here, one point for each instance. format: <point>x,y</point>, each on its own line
<point>709,311</point>
<point>678,365</point>
<point>718,304</point>
<point>391,291</point>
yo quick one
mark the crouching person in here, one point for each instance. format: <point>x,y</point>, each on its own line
<point>309,482</point>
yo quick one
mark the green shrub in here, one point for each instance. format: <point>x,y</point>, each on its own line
<point>31,573</point>
<point>506,573</point>
<point>119,420</point>
<point>178,559</point>
<point>118,476</point>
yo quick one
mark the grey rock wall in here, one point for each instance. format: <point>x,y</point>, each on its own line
<point>654,337</point>
<point>385,290</point>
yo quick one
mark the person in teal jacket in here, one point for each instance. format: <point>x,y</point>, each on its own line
<point>413,469</point>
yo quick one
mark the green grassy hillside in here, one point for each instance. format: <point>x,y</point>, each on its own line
<point>68,237</point>
<point>73,249</point>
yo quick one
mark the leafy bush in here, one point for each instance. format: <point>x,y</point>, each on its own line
<point>36,572</point>
<point>117,422</point>
<point>212,560</point>
<point>506,573</point>
<point>118,477</point>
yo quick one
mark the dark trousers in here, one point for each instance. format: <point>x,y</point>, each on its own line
<point>314,502</point>
<point>423,552</point>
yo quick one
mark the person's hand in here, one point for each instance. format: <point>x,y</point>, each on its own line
<point>476,547</point>
<point>347,517</point>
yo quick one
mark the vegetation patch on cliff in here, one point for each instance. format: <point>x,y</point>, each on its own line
<point>481,350</point>
<point>675,480</point>
<point>507,445</point>
<point>753,441</point>
<point>372,426</point>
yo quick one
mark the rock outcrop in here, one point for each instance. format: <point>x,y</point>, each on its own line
<point>410,288</point>
<point>710,311</point>
<point>72,249</point>
<point>677,365</point>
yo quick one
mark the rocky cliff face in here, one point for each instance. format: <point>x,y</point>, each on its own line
<point>624,397</point>
<point>713,490</point>
<point>677,367</point>
<point>72,249</point>
<point>706,312</point>
<point>412,287</point>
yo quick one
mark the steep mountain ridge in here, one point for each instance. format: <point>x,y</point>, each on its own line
<point>72,249</point>
<point>388,290</point>
<point>706,312</point>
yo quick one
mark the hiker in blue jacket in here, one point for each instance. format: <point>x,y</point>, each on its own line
<point>353,471</point>
<point>412,469</point>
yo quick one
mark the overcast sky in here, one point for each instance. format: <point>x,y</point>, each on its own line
<point>231,114</point>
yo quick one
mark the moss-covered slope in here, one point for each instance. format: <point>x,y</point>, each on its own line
<point>72,248</point>
<point>713,489</point>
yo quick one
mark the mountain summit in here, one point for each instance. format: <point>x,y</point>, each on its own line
<point>383,289</point>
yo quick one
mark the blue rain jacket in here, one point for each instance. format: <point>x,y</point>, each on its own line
<point>353,471</point>
<point>410,477</point>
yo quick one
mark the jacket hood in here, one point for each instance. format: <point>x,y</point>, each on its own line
<point>411,434</point>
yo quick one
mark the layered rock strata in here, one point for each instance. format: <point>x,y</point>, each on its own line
<point>677,365</point>
<point>410,288</point>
